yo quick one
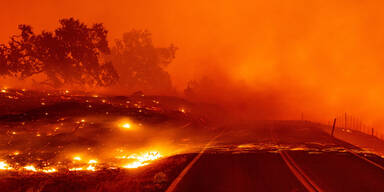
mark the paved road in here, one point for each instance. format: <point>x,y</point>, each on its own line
<point>280,156</point>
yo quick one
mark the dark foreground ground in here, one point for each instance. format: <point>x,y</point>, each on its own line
<point>241,156</point>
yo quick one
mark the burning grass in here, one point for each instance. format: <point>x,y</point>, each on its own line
<point>62,136</point>
<point>154,177</point>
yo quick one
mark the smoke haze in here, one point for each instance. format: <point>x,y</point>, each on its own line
<point>268,59</point>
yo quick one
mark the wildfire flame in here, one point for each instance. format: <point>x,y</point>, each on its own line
<point>92,161</point>
<point>141,160</point>
<point>135,164</point>
<point>4,166</point>
<point>78,161</point>
<point>126,125</point>
<point>91,168</point>
<point>51,170</point>
<point>30,168</point>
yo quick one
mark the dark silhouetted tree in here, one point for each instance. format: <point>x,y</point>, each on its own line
<point>3,61</point>
<point>141,64</point>
<point>70,55</point>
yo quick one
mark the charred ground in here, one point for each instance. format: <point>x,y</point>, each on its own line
<point>58,133</point>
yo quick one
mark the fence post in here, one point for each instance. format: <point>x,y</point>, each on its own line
<point>333,127</point>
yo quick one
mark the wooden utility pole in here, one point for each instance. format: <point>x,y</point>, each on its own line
<point>333,127</point>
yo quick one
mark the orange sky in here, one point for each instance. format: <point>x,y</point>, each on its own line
<point>321,57</point>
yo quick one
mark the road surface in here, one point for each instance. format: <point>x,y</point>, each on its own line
<point>280,156</point>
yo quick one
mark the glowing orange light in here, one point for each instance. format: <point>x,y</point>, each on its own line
<point>126,125</point>
<point>135,164</point>
<point>30,168</point>
<point>91,168</point>
<point>92,161</point>
<point>76,169</point>
<point>77,158</point>
<point>51,170</point>
<point>141,160</point>
<point>4,166</point>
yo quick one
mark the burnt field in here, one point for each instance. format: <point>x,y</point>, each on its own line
<point>73,141</point>
<point>154,177</point>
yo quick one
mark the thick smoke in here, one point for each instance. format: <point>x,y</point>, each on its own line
<point>268,59</point>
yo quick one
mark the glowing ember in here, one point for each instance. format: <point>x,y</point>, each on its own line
<point>30,168</point>
<point>126,125</point>
<point>4,166</point>
<point>92,161</point>
<point>141,160</point>
<point>182,110</point>
<point>68,158</point>
<point>135,164</point>
<point>51,170</point>
<point>91,168</point>
<point>150,156</point>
